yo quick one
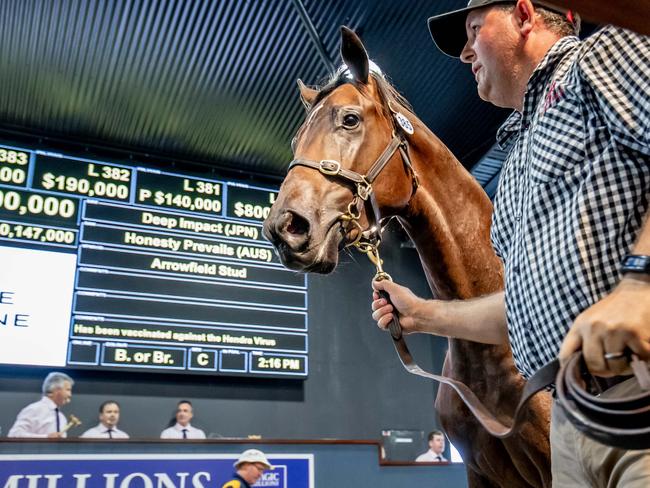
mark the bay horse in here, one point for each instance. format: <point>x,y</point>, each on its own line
<point>349,123</point>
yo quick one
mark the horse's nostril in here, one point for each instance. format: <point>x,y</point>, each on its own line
<point>297,225</point>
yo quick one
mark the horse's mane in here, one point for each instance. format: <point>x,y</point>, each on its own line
<point>387,92</point>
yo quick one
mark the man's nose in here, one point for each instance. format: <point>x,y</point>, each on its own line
<point>467,54</point>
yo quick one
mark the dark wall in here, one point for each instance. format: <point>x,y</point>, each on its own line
<point>356,386</point>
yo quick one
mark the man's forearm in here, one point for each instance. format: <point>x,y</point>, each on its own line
<point>479,319</point>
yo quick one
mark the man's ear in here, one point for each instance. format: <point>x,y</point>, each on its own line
<point>525,16</point>
<point>307,95</point>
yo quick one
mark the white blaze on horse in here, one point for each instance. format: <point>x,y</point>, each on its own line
<point>351,124</point>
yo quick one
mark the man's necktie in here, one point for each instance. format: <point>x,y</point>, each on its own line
<point>110,433</point>
<point>58,425</point>
<point>184,433</point>
<point>439,458</point>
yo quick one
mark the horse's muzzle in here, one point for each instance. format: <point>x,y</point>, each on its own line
<point>301,244</point>
<point>288,231</point>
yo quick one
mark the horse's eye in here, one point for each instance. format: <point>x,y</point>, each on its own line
<point>350,121</point>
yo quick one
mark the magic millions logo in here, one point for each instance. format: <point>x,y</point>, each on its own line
<point>273,478</point>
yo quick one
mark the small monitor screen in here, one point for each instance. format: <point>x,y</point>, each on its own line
<point>403,444</point>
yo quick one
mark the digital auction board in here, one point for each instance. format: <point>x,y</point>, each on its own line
<point>116,266</point>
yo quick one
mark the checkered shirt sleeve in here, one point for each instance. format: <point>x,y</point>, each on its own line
<point>575,186</point>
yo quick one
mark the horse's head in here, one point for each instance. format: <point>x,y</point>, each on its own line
<point>348,169</point>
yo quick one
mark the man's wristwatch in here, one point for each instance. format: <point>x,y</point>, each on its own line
<point>636,263</point>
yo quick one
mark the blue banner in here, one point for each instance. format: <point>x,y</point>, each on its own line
<point>146,471</point>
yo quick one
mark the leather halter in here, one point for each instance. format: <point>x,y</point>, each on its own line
<point>363,185</point>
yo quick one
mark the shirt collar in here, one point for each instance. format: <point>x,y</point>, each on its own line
<point>180,427</point>
<point>236,475</point>
<point>553,56</point>
<point>534,88</point>
<point>50,403</point>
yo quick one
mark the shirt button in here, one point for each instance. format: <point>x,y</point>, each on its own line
<point>518,217</point>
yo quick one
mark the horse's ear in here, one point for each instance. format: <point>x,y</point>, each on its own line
<point>307,95</point>
<point>354,55</point>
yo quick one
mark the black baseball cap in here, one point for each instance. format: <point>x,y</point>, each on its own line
<point>448,29</point>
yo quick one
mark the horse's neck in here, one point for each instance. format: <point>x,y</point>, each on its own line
<point>448,219</point>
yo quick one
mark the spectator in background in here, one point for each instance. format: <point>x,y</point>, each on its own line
<point>436,448</point>
<point>180,427</point>
<point>44,418</point>
<point>109,416</point>
<point>249,469</point>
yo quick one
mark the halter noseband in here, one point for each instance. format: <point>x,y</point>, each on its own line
<point>363,187</point>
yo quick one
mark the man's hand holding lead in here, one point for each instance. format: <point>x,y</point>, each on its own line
<point>618,323</point>
<point>404,302</point>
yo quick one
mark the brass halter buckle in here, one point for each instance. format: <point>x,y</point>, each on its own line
<point>351,217</point>
<point>329,167</point>
<point>364,189</point>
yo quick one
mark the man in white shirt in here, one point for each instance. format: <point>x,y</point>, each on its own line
<point>182,429</point>
<point>109,416</point>
<point>44,418</point>
<point>436,447</point>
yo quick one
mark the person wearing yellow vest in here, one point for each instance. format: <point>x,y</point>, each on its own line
<point>249,468</point>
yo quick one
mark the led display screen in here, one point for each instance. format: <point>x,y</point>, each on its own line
<point>112,265</point>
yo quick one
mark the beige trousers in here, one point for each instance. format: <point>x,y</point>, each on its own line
<point>578,461</point>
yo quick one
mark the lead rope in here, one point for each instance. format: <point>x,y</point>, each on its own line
<point>544,377</point>
<point>627,426</point>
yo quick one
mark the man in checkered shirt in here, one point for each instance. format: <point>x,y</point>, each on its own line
<point>572,202</point>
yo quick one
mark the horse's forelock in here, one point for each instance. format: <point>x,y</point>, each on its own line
<point>336,80</point>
